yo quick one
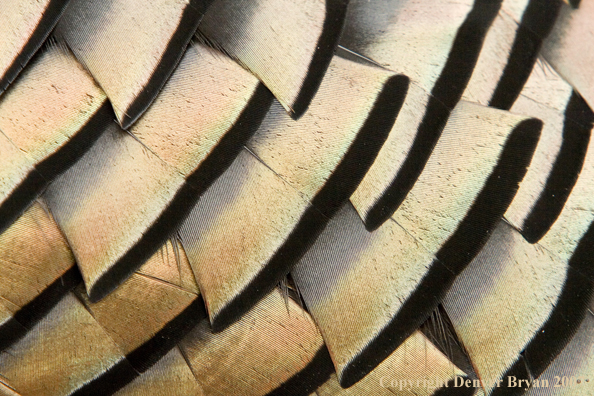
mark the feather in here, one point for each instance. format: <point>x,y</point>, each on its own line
<point>170,376</point>
<point>535,20</point>
<point>438,60</point>
<point>296,197</point>
<point>24,28</point>
<point>5,390</point>
<point>575,364</point>
<point>67,353</point>
<point>144,319</point>
<point>146,316</point>
<point>429,242</point>
<point>275,349</point>
<point>97,223</point>
<point>287,44</point>
<point>559,156</point>
<point>570,48</point>
<point>356,283</point>
<point>130,50</point>
<point>37,269</point>
<point>502,69</point>
<point>173,267</point>
<point>509,272</point>
<point>406,372</point>
<point>47,120</point>
<point>473,54</point>
<point>383,31</point>
<point>441,61</point>
<point>303,180</point>
<point>547,311</point>
<point>230,233</point>
<point>574,221</point>
<point>116,220</point>
<point>353,134</point>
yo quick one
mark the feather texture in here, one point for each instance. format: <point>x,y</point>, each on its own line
<point>288,45</point>
<point>296,197</point>
<point>24,29</point>
<point>130,50</point>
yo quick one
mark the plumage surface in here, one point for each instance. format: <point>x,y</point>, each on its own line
<point>144,42</point>
<point>296,197</point>
<point>25,27</point>
<point>48,118</point>
<point>288,45</point>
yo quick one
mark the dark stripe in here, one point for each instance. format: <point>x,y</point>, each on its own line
<point>186,197</point>
<point>173,53</point>
<point>582,259</point>
<point>415,310</point>
<point>517,371</point>
<point>110,381</point>
<point>62,159</point>
<point>32,312</point>
<point>363,151</point>
<point>47,22</point>
<point>21,198</point>
<point>456,253</point>
<point>143,357</point>
<point>11,331</point>
<point>565,319</point>
<point>328,41</point>
<point>565,172</point>
<point>494,199</point>
<point>309,227</point>
<point>452,390</point>
<point>575,3</point>
<point>446,93</point>
<point>232,143</point>
<point>337,190</point>
<point>568,314</point>
<point>570,309</point>
<point>537,22</point>
<point>37,179</point>
<point>465,52</point>
<point>316,373</point>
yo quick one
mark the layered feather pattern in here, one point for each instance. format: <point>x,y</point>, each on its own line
<point>296,197</point>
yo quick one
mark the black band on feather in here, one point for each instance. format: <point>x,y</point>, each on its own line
<point>456,253</point>
<point>316,373</point>
<point>452,390</point>
<point>21,198</point>
<point>110,381</point>
<point>446,93</point>
<point>43,29</point>
<point>565,172</point>
<point>518,371</point>
<point>309,227</point>
<point>416,309</point>
<point>184,200</point>
<point>327,43</point>
<point>52,166</point>
<point>146,355</point>
<point>345,179</point>
<point>55,164</point>
<point>492,202</point>
<point>32,312</point>
<point>537,22</point>
<point>337,190</point>
<point>173,53</point>
<point>565,319</point>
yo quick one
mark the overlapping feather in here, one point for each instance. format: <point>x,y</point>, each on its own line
<point>393,166</point>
